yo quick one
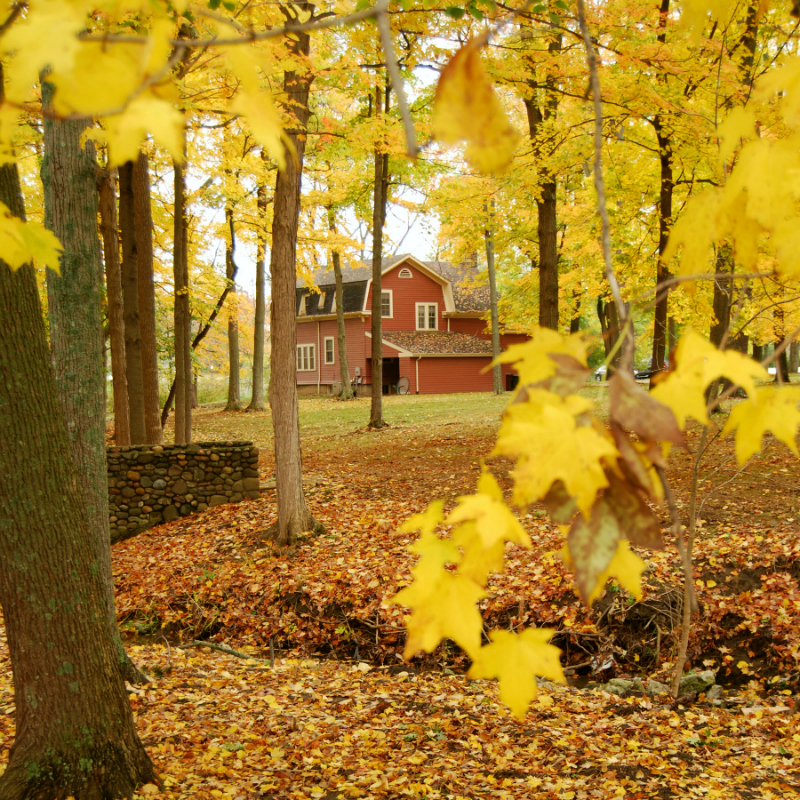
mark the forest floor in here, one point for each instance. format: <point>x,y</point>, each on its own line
<point>326,709</point>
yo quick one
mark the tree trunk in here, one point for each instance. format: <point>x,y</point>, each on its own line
<point>130,299</point>
<point>666,190</point>
<point>380,185</point>
<point>575,319</point>
<point>794,357</point>
<point>116,323</point>
<point>234,400</point>
<point>723,291</point>
<point>782,361</point>
<point>546,208</point>
<point>609,326</point>
<point>497,375</point>
<point>293,514</point>
<point>75,734</point>
<point>69,176</point>
<point>257,398</point>
<point>348,391</point>
<point>182,313</point>
<point>667,186</point>
<point>143,220</point>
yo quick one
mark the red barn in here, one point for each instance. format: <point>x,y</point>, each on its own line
<point>434,332</point>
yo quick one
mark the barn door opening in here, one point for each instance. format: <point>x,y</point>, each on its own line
<point>391,374</point>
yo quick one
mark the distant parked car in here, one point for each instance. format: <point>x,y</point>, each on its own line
<point>600,372</point>
<point>643,374</point>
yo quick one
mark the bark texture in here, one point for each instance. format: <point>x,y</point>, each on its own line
<point>234,399</point>
<point>497,375</point>
<point>348,390</point>
<point>74,727</point>
<point>257,398</point>
<point>609,326</point>
<point>666,190</point>
<point>294,516</point>
<point>107,192</point>
<point>380,187</point>
<point>143,216</point>
<point>181,314</point>
<point>130,300</point>
<point>541,106</point>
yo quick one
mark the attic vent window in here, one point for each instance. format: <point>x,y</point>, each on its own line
<point>404,273</point>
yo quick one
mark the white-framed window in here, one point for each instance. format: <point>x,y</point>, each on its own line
<point>306,358</point>
<point>302,311</point>
<point>427,316</point>
<point>321,303</point>
<point>405,273</point>
<point>329,351</point>
<point>386,303</point>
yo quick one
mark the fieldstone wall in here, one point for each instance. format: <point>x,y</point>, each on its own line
<point>150,484</point>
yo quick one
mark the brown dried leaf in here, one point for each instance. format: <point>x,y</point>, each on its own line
<point>560,505</point>
<point>635,410</point>
<point>631,462</point>
<point>592,545</point>
<point>636,520</point>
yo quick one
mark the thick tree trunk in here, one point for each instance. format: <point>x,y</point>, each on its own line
<point>609,326</point>
<point>548,256</point>
<point>143,216</point>
<point>723,291</point>
<point>539,111</point>
<point>234,400</point>
<point>782,361</point>
<point>794,357</point>
<point>182,314</point>
<point>575,319</point>
<point>75,734</point>
<point>294,516</point>
<point>69,175</point>
<point>130,299</point>
<point>497,375</point>
<point>116,324</point>
<point>348,391</point>
<point>667,185</point>
<point>380,186</point>
<point>257,398</point>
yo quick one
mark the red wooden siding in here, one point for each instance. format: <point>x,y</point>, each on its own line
<point>357,352</point>
<point>473,327</point>
<point>445,375</point>
<point>406,293</point>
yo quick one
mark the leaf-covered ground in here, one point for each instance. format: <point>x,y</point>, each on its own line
<point>215,576</point>
<point>359,723</point>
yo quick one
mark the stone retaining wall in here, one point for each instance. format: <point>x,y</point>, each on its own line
<point>149,484</point>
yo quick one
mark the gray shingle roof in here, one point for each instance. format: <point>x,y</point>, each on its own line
<point>470,290</point>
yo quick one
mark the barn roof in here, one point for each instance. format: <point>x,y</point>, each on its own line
<point>438,343</point>
<point>470,289</point>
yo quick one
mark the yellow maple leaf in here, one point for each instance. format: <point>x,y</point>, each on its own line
<point>551,446</point>
<point>626,567</point>
<point>531,358</point>
<point>146,113</point>
<point>698,364</point>
<point>478,562</point>
<point>494,520</point>
<point>515,659</point>
<point>434,554</point>
<point>427,521</point>
<point>466,108</point>
<point>445,609</point>
<point>22,242</point>
<point>771,409</point>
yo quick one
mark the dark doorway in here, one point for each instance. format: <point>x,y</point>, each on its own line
<point>391,374</point>
<point>511,382</point>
